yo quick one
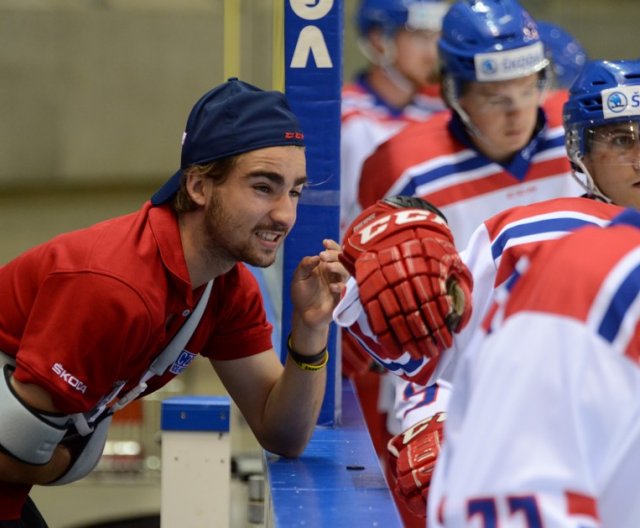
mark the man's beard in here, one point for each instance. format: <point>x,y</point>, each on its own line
<point>221,244</point>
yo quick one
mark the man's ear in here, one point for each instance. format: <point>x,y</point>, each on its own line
<point>195,187</point>
<point>376,38</point>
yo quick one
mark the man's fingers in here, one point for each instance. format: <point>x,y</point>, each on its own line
<point>331,244</point>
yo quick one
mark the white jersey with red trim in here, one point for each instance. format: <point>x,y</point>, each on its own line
<point>491,255</point>
<point>546,429</point>
<point>437,161</point>
<point>367,121</point>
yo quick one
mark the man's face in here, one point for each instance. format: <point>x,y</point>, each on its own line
<point>613,161</point>
<point>416,56</point>
<point>248,216</point>
<point>505,114</point>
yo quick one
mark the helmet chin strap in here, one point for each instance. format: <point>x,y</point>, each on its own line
<point>452,98</point>
<point>588,183</point>
<point>395,76</point>
<point>385,61</point>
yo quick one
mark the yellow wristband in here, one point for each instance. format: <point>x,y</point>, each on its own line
<point>312,367</point>
<point>308,362</point>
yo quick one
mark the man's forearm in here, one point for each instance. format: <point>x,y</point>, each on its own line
<point>292,410</point>
<point>294,404</point>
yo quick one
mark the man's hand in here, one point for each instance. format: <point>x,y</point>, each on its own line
<point>317,284</point>
<point>413,454</point>
<point>413,286</point>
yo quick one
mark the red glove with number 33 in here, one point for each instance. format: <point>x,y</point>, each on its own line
<point>413,286</point>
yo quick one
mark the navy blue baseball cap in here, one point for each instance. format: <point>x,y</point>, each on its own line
<point>230,119</point>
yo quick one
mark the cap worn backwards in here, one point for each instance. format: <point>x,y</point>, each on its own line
<point>231,119</point>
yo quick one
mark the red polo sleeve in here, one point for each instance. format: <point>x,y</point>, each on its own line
<point>241,327</point>
<point>85,331</point>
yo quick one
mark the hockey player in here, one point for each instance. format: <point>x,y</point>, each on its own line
<point>95,318</point>
<point>400,85</point>
<point>495,150</point>
<point>545,429</point>
<point>594,134</point>
<point>498,148</point>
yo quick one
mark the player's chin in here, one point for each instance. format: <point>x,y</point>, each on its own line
<point>511,144</point>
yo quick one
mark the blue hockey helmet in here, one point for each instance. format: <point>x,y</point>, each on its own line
<point>490,40</point>
<point>392,15</point>
<point>567,55</point>
<point>604,93</point>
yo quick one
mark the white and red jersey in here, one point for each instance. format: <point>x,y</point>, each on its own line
<point>491,255</point>
<point>437,161</point>
<point>367,121</point>
<point>546,429</point>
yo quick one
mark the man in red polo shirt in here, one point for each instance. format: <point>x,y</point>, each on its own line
<point>94,318</point>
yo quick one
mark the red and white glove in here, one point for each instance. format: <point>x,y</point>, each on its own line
<point>413,454</point>
<point>413,287</point>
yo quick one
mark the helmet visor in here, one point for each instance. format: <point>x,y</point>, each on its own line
<point>615,143</point>
<point>506,96</point>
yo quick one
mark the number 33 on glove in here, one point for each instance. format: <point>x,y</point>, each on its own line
<point>414,289</point>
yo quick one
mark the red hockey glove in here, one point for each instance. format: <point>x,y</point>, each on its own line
<point>413,454</point>
<point>413,286</point>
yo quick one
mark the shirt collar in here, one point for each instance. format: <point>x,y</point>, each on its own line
<point>361,80</point>
<point>164,226</point>
<point>518,165</point>
<point>627,217</point>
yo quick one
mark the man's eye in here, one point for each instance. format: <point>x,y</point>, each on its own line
<point>498,101</point>
<point>623,140</point>
<point>262,188</point>
<point>295,193</point>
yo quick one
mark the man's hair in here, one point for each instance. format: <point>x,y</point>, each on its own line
<point>217,171</point>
